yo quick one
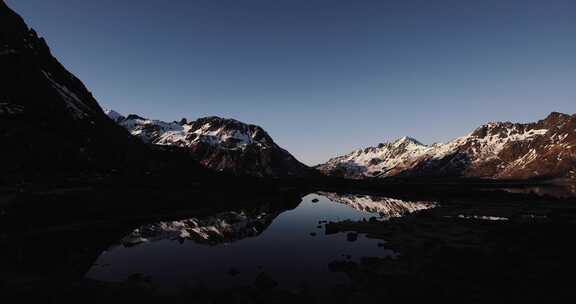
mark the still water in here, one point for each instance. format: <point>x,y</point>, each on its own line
<point>230,249</point>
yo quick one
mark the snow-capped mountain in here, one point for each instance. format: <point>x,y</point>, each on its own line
<point>49,121</point>
<point>218,143</point>
<point>502,150</point>
<point>384,159</point>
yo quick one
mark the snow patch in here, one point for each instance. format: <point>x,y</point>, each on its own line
<point>188,134</point>
<point>115,116</point>
<point>483,217</point>
<point>73,103</point>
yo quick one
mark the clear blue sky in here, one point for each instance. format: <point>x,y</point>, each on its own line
<point>322,76</point>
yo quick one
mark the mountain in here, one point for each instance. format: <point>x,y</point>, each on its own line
<point>49,122</point>
<point>386,159</point>
<point>502,150</point>
<point>52,128</point>
<point>218,143</point>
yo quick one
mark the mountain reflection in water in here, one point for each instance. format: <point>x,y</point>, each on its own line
<point>383,206</point>
<point>220,228</point>
<point>231,249</point>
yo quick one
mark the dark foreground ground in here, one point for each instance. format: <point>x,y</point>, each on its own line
<point>456,251</point>
<point>480,244</point>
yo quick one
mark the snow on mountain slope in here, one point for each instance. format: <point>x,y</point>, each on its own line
<point>115,116</point>
<point>218,143</point>
<point>379,160</point>
<point>495,150</point>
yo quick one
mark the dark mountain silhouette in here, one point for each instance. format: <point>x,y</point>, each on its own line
<point>50,124</point>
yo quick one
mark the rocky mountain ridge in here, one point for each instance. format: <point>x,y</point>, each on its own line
<point>501,150</point>
<point>220,144</point>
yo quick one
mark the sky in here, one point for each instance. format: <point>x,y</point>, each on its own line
<point>323,77</point>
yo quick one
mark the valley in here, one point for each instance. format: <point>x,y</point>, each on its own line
<point>96,205</point>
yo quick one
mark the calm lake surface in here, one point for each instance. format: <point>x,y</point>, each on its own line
<point>231,249</point>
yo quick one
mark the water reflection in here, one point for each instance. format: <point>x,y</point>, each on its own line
<point>384,206</point>
<point>561,191</point>
<point>231,249</point>
<point>220,228</point>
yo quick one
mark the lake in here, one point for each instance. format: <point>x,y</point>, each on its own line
<point>266,244</point>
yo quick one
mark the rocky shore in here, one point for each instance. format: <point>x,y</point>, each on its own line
<point>501,249</point>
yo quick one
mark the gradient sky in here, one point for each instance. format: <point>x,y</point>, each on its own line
<point>323,77</point>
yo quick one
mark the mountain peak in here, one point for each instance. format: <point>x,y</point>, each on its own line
<point>556,117</point>
<point>407,140</point>
<point>222,144</point>
<point>495,150</point>
<point>134,116</point>
<point>217,120</point>
<point>555,114</point>
<point>115,116</point>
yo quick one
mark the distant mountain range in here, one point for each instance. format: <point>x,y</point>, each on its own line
<point>219,144</point>
<point>51,125</point>
<point>503,150</point>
